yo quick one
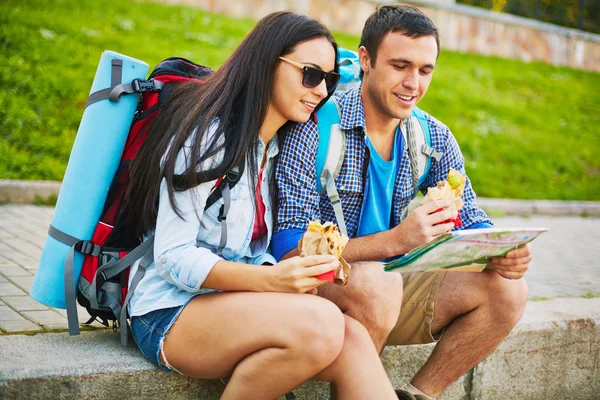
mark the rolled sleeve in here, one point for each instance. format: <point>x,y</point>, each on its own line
<point>177,258</point>
<point>286,241</point>
<point>298,200</point>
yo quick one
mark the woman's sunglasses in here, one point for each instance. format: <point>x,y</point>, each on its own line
<point>312,77</point>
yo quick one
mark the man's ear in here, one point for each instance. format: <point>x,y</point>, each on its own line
<point>365,60</point>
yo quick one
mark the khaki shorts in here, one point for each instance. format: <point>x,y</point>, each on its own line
<point>416,315</point>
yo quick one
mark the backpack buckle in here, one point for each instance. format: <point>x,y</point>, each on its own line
<point>431,152</point>
<point>106,257</point>
<point>232,174</point>
<point>88,248</point>
<point>222,217</point>
<point>141,85</point>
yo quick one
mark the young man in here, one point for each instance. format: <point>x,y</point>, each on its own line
<point>475,311</point>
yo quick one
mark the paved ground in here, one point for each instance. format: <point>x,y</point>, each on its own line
<point>566,263</point>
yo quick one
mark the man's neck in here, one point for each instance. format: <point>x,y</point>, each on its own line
<point>381,129</point>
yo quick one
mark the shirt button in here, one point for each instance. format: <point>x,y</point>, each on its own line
<point>342,187</point>
<point>163,260</point>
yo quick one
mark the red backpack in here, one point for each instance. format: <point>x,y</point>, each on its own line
<point>103,287</point>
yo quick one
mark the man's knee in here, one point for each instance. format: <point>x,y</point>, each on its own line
<point>375,297</point>
<point>508,298</point>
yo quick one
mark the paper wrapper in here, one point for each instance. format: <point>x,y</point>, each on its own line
<point>450,189</point>
<point>313,242</point>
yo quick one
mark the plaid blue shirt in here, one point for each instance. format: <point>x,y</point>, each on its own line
<point>296,177</point>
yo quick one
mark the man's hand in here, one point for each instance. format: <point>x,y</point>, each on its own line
<point>514,264</point>
<point>423,224</point>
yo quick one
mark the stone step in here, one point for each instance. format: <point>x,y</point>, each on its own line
<point>553,353</point>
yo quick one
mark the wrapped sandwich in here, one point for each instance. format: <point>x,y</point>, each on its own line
<point>450,189</point>
<point>326,239</point>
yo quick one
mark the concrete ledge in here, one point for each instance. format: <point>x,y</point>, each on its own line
<point>26,192</point>
<point>540,207</point>
<point>553,353</point>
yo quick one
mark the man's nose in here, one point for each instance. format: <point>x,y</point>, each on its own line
<point>411,80</point>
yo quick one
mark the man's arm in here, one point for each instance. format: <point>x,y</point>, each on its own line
<point>516,262</point>
<point>471,215</point>
<point>298,200</point>
<point>421,226</point>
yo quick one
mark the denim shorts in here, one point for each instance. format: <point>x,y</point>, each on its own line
<point>149,331</point>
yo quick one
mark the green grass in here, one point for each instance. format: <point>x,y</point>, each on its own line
<point>528,130</point>
<point>591,295</point>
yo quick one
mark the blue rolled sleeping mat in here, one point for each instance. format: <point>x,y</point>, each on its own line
<point>92,165</point>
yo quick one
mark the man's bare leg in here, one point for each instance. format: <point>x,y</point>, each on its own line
<point>372,297</point>
<point>478,310</point>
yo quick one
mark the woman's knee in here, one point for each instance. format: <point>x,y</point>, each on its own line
<point>317,331</point>
<point>357,339</point>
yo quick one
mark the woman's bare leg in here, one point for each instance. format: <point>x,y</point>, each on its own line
<point>357,372</point>
<point>268,343</point>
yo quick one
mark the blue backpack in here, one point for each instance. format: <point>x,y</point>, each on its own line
<point>332,140</point>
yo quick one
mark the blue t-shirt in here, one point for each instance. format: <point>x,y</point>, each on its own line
<point>376,212</point>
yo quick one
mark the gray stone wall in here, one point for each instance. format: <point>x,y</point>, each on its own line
<point>462,28</point>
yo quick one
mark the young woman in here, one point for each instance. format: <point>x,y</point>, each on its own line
<point>210,306</point>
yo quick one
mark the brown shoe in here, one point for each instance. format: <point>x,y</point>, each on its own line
<point>406,395</point>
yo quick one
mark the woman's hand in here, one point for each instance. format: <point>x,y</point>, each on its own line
<point>297,274</point>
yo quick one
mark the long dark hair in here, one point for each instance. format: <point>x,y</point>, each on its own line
<point>238,94</point>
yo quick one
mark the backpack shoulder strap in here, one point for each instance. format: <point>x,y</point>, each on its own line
<point>419,149</point>
<point>222,189</point>
<point>332,143</point>
<point>422,147</point>
<point>330,156</point>
<point>232,178</point>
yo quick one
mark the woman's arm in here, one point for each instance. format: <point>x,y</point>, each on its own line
<point>191,268</point>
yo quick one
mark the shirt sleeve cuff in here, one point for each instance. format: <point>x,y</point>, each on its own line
<point>187,267</point>
<point>285,241</point>
<point>480,225</point>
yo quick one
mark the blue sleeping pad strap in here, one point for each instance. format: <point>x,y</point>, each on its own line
<point>116,89</point>
<point>81,246</point>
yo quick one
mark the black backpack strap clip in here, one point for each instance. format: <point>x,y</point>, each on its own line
<point>231,178</point>
<point>88,248</point>
<point>116,89</point>
<point>234,174</point>
<point>142,85</point>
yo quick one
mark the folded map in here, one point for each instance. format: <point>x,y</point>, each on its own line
<point>467,250</point>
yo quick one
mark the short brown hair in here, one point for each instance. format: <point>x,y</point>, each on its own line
<point>407,20</point>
